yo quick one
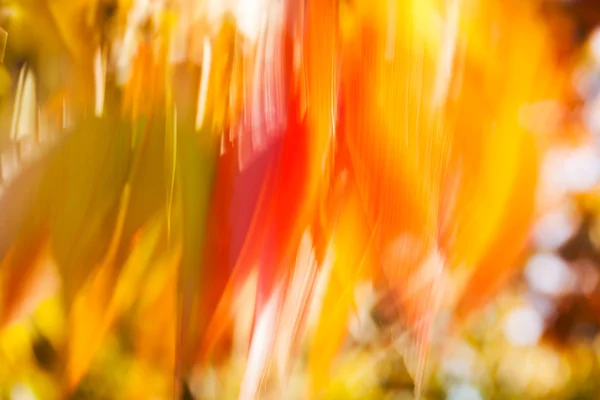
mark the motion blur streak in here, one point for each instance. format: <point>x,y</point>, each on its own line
<point>304,148</point>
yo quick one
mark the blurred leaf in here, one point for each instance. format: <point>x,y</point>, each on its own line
<point>100,302</point>
<point>500,261</point>
<point>157,303</point>
<point>196,171</point>
<point>72,18</point>
<point>86,182</point>
<point>26,258</point>
<point>146,180</point>
<point>352,262</point>
<point>27,276</point>
<point>489,138</point>
<point>3,39</point>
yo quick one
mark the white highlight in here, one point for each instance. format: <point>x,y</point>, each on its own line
<point>260,348</point>
<point>361,325</point>
<point>140,12</point>
<point>296,301</point>
<point>523,326</point>
<point>25,112</point>
<point>99,80</point>
<point>594,44</point>
<point>463,392</point>
<point>460,361</point>
<point>204,82</point>
<point>554,228</point>
<point>571,169</point>
<point>21,391</point>
<point>249,15</point>
<point>550,275</point>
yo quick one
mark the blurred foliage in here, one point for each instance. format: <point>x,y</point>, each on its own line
<point>114,215</point>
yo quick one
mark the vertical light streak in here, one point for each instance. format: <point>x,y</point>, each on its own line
<point>204,82</point>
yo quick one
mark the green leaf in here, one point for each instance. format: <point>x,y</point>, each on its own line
<point>146,179</point>
<point>197,158</point>
<point>85,183</point>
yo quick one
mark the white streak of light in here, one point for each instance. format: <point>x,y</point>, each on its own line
<point>256,114</point>
<point>99,80</point>
<point>15,118</point>
<point>249,15</point>
<point>260,348</point>
<point>295,304</point>
<point>446,61</point>
<point>575,170</point>
<point>24,114</point>
<point>204,81</point>
<point>595,44</point>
